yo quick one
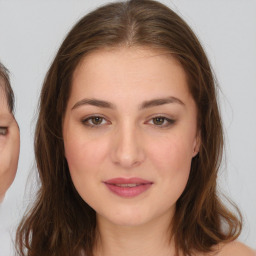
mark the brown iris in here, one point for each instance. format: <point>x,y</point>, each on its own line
<point>158,120</point>
<point>96,120</point>
<point>3,130</point>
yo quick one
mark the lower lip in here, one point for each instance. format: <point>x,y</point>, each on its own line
<point>128,192</point>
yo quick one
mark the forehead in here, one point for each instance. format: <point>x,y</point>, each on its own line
<point>3,98</point>
<point>2,82</point>
<point>127,69</point>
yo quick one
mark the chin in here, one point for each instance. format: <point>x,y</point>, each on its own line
<point>127,217</point>
<point>127,221</point>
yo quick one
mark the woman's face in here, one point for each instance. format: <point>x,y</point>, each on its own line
<point>130,133</point>
<point>9,145</point>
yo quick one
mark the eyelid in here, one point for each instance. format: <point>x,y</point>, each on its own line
<point>87,118</point>
<point>170,121</point>
<point>3,130</point>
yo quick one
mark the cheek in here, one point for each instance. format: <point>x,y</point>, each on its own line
<point>85,160</point>
<point>84,156</point>
<point>172,161</point>
<point>172,154</point>
<point>9,155</point>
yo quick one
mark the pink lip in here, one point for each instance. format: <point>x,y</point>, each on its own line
<point>130,190</point>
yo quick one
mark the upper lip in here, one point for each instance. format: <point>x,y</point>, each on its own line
<point>134,180</point>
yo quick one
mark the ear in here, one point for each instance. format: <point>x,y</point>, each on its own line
<point>197,144</point>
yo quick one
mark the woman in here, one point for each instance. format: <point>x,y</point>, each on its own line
<point>128,142</point>
<point>9,134</point>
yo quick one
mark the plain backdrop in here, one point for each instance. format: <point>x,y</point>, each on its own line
<point>30,34</point>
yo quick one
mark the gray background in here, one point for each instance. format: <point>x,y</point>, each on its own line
<point>30,34</point>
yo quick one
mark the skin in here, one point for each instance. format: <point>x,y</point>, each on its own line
<point>128,141</point>
<point>9,146</point>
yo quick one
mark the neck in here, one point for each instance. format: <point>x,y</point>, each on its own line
<point>147,239</point>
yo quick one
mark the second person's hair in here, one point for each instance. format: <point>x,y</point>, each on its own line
<point>6,86</point>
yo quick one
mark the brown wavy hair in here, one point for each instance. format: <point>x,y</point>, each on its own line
<point>60,222</point>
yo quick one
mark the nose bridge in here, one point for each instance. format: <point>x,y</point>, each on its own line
<point>128,149</point>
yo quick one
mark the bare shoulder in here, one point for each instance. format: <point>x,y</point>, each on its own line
<point>235,249</point>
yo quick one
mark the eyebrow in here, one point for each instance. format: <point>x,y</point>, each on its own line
<point>159,102</point>
<point>94,102</point>
<point>146,104</point>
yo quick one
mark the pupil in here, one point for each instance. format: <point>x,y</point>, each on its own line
<point>97,120</point>
<point>158,120</point>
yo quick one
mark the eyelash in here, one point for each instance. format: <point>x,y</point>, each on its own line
<point>3,131</point>
<point>90,118</point>
<point>167,121</point>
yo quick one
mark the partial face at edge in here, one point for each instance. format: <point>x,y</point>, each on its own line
<point>9,145</point>
<point>130,119</point>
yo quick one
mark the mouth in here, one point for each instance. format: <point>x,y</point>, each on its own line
<point>128,188</point>
<point>127,185</point>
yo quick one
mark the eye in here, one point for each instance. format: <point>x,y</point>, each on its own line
<point>94,121</point>
<point>161,121</point>
<point>3,131</point>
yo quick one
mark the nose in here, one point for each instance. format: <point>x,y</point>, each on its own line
<point>127,147</point>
